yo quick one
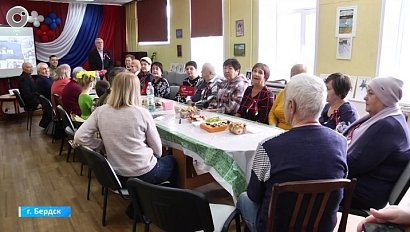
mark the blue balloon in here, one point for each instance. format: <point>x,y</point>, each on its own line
<point>52,15</point>
<point>58,20</point>
<point>48,21</point>
<point>53,26</point>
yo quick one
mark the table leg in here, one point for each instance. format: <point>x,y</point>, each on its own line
<point>188,178</point>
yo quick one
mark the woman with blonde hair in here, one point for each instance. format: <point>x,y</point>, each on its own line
<point>129,135</point>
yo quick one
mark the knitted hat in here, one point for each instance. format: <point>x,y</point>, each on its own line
<point>387,89</point>
<point>147,59</point>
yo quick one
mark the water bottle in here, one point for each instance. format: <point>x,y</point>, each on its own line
<point>150,97</point>
<point>97,76</point>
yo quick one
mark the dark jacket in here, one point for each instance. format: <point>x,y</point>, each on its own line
<point>28,91</point>
<point>95,62</point>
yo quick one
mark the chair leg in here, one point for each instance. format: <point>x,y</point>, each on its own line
<point>69,152</point>
<point>62,145</point>
<point>89,183</point>
<point>30,117</point>
<point>81,170</point>
<point>105,205</point>
<point>134,223</point>
<point>53,132</point>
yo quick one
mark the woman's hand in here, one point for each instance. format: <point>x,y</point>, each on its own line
<point>392,214</point>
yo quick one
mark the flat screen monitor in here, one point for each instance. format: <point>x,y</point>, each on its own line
<point>16,47</point>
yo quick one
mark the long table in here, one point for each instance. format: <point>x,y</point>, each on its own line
<point>226,156</point>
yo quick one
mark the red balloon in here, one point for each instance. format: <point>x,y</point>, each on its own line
<point>44,27</point>
<point>39,32</point>
<point>51,33</point>
<point>44,39</point>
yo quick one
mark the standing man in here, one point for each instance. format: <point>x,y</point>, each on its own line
<point>100,59</point>
<point>53,61</point>
<point>27,87</point>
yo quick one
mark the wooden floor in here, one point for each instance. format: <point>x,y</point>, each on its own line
<point>32,173</point>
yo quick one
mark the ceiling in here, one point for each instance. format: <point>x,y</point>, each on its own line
<point>103,2</point>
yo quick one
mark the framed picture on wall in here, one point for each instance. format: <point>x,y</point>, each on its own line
<point>239,49</point>
<point>346,18</point>
<point>344,48</point>
<point>239,28</point>
<point>178,33</point>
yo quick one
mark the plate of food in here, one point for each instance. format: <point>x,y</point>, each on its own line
<point>185,112</point>
<point>237,128</point>
<point>215,124</point>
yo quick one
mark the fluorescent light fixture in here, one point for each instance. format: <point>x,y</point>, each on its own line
<point>85,0</point>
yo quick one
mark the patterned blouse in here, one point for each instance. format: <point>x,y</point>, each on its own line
<point>162,88</point>
<point>256,108</point>
<point>229,95</point>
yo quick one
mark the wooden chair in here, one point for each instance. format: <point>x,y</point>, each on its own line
<point>178,210</point>
<point>29,111</point>
<point>105,175</point>
<point>311,201</point>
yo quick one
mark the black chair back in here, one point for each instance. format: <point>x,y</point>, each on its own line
<point>47,107</point>
<point>65,118</point>
<point>401,186</point>
<point>312,198</point>
<point>77,151</point>
<point>101,168</point>
<point>171,209</point>
<point>19,98</point>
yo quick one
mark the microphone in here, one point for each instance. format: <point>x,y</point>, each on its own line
<point>107,56</point>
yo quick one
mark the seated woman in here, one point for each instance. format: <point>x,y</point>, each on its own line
<point>379,147</point>
<point>161,85</point>
<point>257,99</point>
<point>276,113</point>
<point>308,151</point>
<point>207,87</point>
<point>110,76</point>
<point>230,91</point>
<point>133,149</point>
<point>85,101</point>
<point>338,113</point>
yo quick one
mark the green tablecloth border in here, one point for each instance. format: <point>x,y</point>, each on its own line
<point>226,167</point>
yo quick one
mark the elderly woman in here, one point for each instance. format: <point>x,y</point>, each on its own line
<point>207,87</point>
<point>161,85</point>
<point>338,113</point>
<point>379,147</point>
<point>257,99</point>
<point>133,149</point>
<point>230,91</point>
<point>295,155</point>
<point>276,114</point>
<point>62,79</point>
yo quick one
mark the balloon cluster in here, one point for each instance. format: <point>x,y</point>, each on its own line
<point>35,18</point>
<point>52,20</point>
<point>45,34</point>
<point>46,31</point>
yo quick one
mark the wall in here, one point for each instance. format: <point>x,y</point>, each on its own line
<point>167,53</point>
<point>364,46</point>
<point>247,11</point>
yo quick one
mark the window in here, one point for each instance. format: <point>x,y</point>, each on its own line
<point>395,47</point>
<point>208,50</point>
<point>287,35</point>
<point>206,33</point>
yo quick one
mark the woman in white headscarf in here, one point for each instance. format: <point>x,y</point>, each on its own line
<point>379,147</point>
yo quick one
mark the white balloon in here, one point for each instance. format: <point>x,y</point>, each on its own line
<point>40,18</point>
<point>36,23</point>
<point>34,13</point>
<point>30,19</point>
